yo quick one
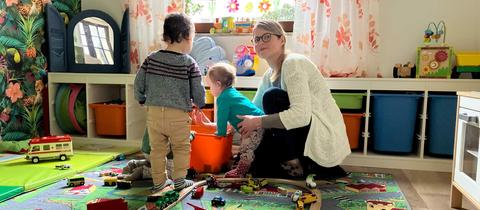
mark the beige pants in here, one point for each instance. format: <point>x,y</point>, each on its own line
<point>168,125</point>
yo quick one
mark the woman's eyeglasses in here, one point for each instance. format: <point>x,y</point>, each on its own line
<point>265,38</point>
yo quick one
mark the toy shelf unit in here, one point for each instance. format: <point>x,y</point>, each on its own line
<point>112,113</point>
<point>423,96</point>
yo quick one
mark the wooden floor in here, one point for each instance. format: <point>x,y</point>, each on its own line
<point>423,189</point>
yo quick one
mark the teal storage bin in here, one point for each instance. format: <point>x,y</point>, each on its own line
<point>394,120</point>
<point>441,114</point>
<point>349,100</point>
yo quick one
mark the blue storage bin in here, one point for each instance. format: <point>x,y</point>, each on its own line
<point>394,119</point>
<point>441,124</point>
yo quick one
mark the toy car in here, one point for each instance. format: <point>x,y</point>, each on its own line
<point>110,181</point>
<point>308,198</point>
<point>218,201</point>
<point>107,203</point>
<point>120,157</point>
<point>108,173</point>
<point>62,166</point>
<point>197,192</point>
<point>75,181</point>
<point>246,189</point>
<point>212,182</point>
<point>123,184</point>
<point>296,195</point>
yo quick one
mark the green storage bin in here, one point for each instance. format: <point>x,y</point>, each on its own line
<point>349,100</point>
<point>248,93</point>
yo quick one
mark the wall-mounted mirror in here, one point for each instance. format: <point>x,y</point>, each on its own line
<point>93,42</point>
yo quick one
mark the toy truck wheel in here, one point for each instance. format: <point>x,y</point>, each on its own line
<point>63,157</point>
<point>82,183</point>
<point>70,185</point>
<point>35,160</point>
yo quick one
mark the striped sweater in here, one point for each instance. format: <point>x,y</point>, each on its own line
<point>169,79</point>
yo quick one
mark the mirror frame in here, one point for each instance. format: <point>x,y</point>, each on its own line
<point>94,68</point>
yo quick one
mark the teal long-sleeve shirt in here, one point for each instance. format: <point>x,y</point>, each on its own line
<point>231,103</point>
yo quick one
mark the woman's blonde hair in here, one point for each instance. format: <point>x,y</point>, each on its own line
<point>274,28</point>
<point>222,72</point>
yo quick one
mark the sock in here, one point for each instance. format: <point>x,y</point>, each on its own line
<point>181,183</point>
<point>239,171</point>
<point>293,167</point>
<point>159,187</point>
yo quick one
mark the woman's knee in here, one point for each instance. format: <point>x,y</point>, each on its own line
<point>275,100</point>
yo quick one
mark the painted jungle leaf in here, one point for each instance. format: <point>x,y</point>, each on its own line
<point>11,42</point>
<point>15,136</point>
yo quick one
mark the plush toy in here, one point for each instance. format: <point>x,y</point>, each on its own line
<point>406,71</point>
<point>207,53</point>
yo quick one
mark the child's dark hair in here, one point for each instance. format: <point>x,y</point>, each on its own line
<point>176,27</point>
<point>222,72</point>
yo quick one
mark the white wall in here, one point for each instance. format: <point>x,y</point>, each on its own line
<point>402,24</point>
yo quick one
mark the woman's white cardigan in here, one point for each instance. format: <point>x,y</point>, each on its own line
<point>310,98</point>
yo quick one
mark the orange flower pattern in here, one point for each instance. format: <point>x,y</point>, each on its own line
<point>264,6</point>
<point>360,9</point>
<point>142,10</point>
<point>372,33</point>
<point>343,33</point>
<point>13,92</point>
<point>328,8</point>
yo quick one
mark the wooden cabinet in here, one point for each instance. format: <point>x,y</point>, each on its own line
<point>466,170</point>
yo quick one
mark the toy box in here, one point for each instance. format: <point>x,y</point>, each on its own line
<point>434,62</point>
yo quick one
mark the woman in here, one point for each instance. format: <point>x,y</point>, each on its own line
<point>305,132</point>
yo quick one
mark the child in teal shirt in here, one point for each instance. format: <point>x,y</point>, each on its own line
<point>229,104</point>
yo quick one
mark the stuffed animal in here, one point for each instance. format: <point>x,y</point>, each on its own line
<point>406,71</point>
<point>207,53</point>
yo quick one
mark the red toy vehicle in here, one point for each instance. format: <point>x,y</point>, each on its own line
<point>197,192</point>
<point>107,203</point>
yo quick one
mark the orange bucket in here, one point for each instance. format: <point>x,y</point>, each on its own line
<point>209,152</point>
<point>209,112</point>
<point>352,124</point>
<point>110,119</point>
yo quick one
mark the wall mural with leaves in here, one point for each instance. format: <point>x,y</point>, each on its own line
<point>23,66</point>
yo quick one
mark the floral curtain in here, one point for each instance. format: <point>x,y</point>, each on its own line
<point>340,36</point>
<point>146,27</point>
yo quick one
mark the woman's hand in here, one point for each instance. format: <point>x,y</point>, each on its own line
<point>249,123</point>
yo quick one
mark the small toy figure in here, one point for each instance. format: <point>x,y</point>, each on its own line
<point>75,181</point>
<point>197,192</point>
<point>311,181</point>
<point>218,201</point>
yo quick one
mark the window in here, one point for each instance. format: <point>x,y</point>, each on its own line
<point>66,146</point>
<point>35,148</point>
<point>58,146</point>
<point>46,147</point>
<point>208,10</point>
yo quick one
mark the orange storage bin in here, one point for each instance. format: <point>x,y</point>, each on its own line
<point>110,119</point>
<point>352,124</point>
<point>209,152</point>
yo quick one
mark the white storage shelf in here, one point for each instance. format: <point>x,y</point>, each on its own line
<point>362,157</point>
<point>101,88</point>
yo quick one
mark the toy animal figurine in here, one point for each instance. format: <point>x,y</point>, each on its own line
<point>404,71</point>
